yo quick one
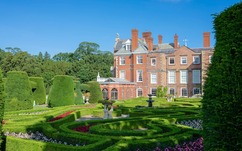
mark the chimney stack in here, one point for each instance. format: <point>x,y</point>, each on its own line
<point>159,39</point>
<point>206,39</point>
<point>134,39</point>
<point>148,39</point>
<point>176,41</point>
<point>150,43</point>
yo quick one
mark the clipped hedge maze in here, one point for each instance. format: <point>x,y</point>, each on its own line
<point>158,128</point>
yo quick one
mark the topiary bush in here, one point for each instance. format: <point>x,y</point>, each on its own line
<point>95,92</point>
<point>84,88</point>
<point>222,110</point>
<point>78,93</point>
<point>2,95</point>
<point>62,91</point>
<point>18,90</point>
<point>39,93</point>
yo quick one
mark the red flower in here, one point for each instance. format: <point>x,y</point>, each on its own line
<point>60,116</point>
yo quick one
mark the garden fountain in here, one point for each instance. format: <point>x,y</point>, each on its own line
<point>150,100</point>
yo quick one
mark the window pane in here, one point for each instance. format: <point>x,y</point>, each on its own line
<point>122,74</point>
<point>153,78</point>
<point>139,76</point>
<point>114,94</point>
<point>140,92</point>
<point>183,60</point>
<point>172,91</point>
<point>196,59</point>
<point>139,59</point>
<point>196,76</point>
<point>153,61</point>
<point>153,91</point>
<point>184,91</point>
<point>183,76</point>
<point>171,60</point>
<point>171,76</point>
<point>196,91</point>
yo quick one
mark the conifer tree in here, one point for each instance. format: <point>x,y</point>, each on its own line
<point>222,100</point>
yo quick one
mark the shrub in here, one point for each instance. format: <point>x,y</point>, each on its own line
<point>18,89</point>
<point>95,92</point>
<point>1,105</point>
<point>62,91</point>
<point>84,88</point>
<point>39,94</point>
<point>78,93</point>
<point>222,116</point>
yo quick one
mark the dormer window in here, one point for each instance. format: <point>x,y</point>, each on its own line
<point>128,45</point>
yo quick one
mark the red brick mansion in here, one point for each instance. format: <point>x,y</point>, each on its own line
<point>140,66</point>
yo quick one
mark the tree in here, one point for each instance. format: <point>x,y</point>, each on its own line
<point>222,110</point>
<point>2,95</point>
<point>62,91</point>
<point>85,49</point>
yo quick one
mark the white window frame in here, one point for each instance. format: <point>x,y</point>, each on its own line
<point>120,74</point>
<point>139,89</point>
<point>128,46</point>
<point>122,60</point>
<point>170,60</point>
<point>183,58</point>
<point>137,75</point>
<point>194,60</point>
<point>182,92</point>
<point>171,79</point>
<point>153,63</point>
<point>139,59</point>
<point>196,76</point>
<point>153,78</point>
<point>197,89</point>
<point>183,79</point>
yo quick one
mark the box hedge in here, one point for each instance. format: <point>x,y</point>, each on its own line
<point>95,92</point>
<point>2,95</point>
<point>39,93</point>
<point>18,89</point>
<point>78,93</point>
<point>62,91</point>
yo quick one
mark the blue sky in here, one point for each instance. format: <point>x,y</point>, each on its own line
<point>60,25</point>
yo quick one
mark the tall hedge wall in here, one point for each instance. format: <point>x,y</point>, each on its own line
<point>2,94</point>
<point>95,92</point>
<point>18,89</point>
<point>39,93</point>
<point>78,93</point>
<point>222,101</point>
<point>62,91</point>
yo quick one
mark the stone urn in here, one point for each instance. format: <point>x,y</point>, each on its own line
<point>108,108</point>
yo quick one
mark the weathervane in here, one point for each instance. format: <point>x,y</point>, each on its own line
<point>185,41</point>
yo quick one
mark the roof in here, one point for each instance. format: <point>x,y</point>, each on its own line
<point>111,80</point>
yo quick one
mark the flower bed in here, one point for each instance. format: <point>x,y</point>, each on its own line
<point>196,145</point>
<point>83,129</point>
<point>60,116</point>
<point>39,137</point>
<point>196,124</point>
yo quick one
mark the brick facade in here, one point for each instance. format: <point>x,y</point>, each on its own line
<point>146,66</point>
